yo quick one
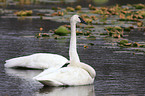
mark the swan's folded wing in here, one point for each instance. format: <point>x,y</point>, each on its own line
<point>67,76</point>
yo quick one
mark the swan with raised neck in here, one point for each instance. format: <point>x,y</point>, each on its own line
<point>74,58</point>
<point>76,73</point>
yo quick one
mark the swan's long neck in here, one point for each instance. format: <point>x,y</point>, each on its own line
<point>74,58</point>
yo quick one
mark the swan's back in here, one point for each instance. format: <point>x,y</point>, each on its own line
<point>66,76</point>
<point>38,61</point>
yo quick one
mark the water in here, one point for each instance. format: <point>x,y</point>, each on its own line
<point>118,73</point>
<point>12,4</point>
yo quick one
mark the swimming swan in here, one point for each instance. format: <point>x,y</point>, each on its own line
<point>76,73</point>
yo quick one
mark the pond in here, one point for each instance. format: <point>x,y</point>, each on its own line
<point>119,72</point>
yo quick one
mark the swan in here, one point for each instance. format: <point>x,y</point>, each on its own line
<point>76,73</point>
<point>37,61</point>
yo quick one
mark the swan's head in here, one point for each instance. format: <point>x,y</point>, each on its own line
<point>76,19</point>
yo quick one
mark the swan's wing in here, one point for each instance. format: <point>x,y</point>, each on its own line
<point>39,61</point>
<point>46,72</point>
<point>66,76</point>
<point>89,69</point>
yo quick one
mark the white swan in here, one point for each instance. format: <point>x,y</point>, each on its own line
<point>76,73</point>
<point>37,61</point>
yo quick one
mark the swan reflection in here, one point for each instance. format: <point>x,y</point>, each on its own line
<point>67,91</point>
<point>22,73</point>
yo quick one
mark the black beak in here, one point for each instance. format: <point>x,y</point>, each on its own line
<point>82,21</point>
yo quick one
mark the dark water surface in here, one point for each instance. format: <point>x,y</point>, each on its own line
<point>27,4</point>
<point>118,73</point>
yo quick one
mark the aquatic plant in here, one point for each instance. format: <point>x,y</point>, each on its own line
<point>79,32</point>
<point>62,31</point>
<point>142,46</point>
<point>70,9</point>
<point>139,6</point>
<point>85,46</point>
<point>38,35</point>
<point>141,12</point>
<point>115,31</point>
<point>78,7</point>
<point>124,43</point>
<point>103,18</point>
<point>91,44</point>
<point>102,15</point>
<point>135,44</point>
<point>128,28</point>
<point>42,35</point>
<point>87,33</point>
<point>140,24</point>
<point>101,11</point>
<point>92,7</point>
<point>93,17</point>
<point>88,20</point>
<point>84,16</point>
<point>59,13</point>
<point>45,35</point>
<point>56,36</point>
<point>24,13</point>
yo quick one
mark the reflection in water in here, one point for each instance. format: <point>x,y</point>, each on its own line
<point>22,73</point>
<point>20,83</point>
<point>67,91</point>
